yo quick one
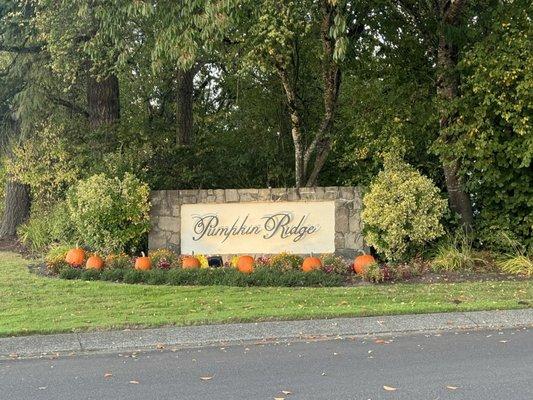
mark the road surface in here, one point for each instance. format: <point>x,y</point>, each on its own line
<point>453,365</point>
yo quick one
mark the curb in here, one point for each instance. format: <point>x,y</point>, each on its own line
<point>232,334</point>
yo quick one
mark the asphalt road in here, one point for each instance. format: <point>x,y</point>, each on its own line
<point>477,365</point>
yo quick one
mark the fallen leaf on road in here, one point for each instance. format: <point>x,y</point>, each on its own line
<point>206,378</point>
<point>134,382</point>
<point>389,388</point>
<point>108,375</point>
<point>452,387</point>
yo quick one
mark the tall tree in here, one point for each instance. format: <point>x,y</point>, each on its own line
<point>284,38</point>
<point>441,25</point>
<point>16,51</point>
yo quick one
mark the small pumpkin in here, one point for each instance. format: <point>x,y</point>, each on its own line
<point>361,262</point>
<point>311,263</point>
<point>95,262</point>
<point>245,264</point>
<point>143,263</point>
<point>190,262</point>
<point>75,257</point>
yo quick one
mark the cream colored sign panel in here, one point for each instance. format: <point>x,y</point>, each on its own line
<point>258,228</point>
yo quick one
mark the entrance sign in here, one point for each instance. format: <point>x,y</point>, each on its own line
<point>258,227</point>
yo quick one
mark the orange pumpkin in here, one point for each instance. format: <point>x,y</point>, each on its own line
<point>361,262</point>
<point>245,264</point>
<point>95,262</point>
<point>311,263</point>
<point>75,257</point>
<point>143,263</point>
<point>190,262</point>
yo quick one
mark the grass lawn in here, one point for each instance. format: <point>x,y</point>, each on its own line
<point>34,304</point>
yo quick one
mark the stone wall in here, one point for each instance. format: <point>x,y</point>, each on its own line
<point>166,205</point>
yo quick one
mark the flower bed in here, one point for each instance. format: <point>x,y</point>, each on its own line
<point>163,266</point>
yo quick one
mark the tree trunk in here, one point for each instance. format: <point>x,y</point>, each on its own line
<point>296,132</point>
<point>459,199</point>
<point>17,208</point>
<point>447,91</point>
<point>103,100</point>
<point>184,106</point>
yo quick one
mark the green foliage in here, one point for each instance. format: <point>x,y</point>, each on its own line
<point>456,254</point>
<point>493,132</point>
<point>46,227</point>
<point>110,214</point>
<point>46,162</point>
<point>263,276</point>
<point>402,210</point>
<point>70,273</point>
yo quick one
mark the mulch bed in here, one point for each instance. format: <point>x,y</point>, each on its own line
<point>13,245</point>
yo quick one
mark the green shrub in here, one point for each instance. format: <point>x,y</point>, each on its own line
<point>456,254</point>
<point>90,275</point>
<point>286,262</point>
<point>134,276</point>
<point>402,211</point>
<point>113,275</point>
<point>70,273</point>
<point>156,277</point>
<point>110,214</point>
<point>46,227</point>
<point>262,276</point>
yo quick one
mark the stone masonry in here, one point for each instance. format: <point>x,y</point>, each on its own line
<point>166,205</point>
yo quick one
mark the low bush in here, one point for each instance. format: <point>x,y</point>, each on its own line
<point>46,227</point>
<point>68,272</point>
<point>262,276</point>
<point>456,254</point>
<point>112,275</point>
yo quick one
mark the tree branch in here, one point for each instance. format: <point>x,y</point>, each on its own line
<point>71,106</point>
<point>20,49</point>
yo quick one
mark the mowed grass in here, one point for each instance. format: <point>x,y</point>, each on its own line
<point>33,304</point>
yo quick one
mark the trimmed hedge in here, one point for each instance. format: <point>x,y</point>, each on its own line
<point>213,276</point>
